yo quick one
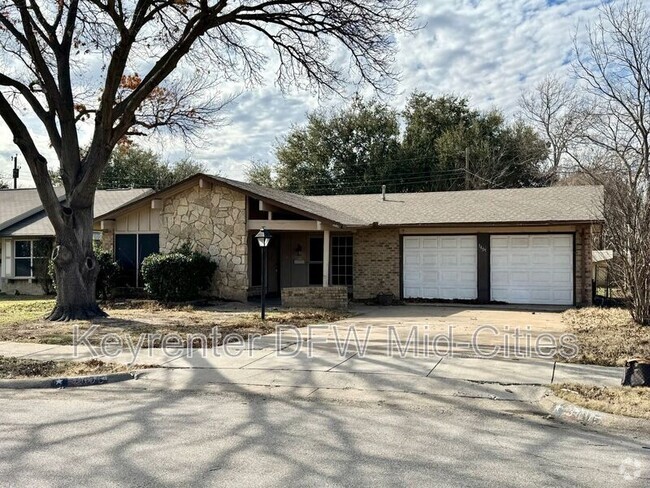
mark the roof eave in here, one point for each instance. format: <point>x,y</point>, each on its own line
<point>189,183</point>
<point>493,224</point>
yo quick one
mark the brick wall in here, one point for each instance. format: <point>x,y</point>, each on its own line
<point>376,259</point>
<point>22,287</point>
<point>332,297</point>
<point>583,264</point>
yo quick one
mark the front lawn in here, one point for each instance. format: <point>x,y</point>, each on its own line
<point>18,309</point>
<point>136,318</point>
<point>632,402</point>
<point>607,336</point>
<point>16,368</point>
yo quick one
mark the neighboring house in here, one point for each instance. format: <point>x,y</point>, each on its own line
<point>23,223</point>
<point>528,246</point>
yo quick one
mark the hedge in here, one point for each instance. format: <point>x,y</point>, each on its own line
<point>178,276</point>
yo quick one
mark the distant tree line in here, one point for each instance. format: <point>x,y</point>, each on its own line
<point>132,166</point>
<point>434,144</point>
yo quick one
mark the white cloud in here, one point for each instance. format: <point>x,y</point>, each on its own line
<point>487,50</point>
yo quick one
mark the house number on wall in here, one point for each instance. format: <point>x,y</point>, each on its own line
<point>482,248</point>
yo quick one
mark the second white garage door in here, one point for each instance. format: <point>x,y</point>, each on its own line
<point>440,267</point>
<point>532,269</point>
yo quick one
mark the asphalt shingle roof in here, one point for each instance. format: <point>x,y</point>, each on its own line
<point>16,205</point>
<point>34,222</point>
<point>521,205</point>
<point>294,201</point>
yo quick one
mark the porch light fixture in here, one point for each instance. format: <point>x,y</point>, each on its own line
<point>263,239</point>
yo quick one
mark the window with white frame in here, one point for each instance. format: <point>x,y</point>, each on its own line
<point>23,258</point>
<point>26,254</point>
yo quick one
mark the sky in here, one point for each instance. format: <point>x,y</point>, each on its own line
<point>487,50</point>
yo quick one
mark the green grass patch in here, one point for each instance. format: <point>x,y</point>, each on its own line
<point>19,309</point>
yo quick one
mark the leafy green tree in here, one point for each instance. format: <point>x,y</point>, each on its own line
<point>488,153</point>
<point>260,173</point>
<point>353,150</point>
<point>449,146</point>
<point>132,166</point>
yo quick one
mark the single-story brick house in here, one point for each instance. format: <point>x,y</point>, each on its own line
<point>23,223</point>
<point>529,246</point>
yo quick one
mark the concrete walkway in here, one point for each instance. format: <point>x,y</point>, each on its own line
<point>287,364</point>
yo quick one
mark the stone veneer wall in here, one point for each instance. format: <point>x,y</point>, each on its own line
<point>213,220</point>
<point>108,240</point>
<point>332,297</point>
<point>376,257</point>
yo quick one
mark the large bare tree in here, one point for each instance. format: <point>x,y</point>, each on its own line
<point>560,115</point>
<point>613,66</point>
<point>128,67</point>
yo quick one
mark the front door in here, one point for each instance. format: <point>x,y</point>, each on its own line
<point>273,265</point>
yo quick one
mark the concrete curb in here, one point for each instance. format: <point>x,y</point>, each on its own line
<point>69,382</point>
<point>568,412</point>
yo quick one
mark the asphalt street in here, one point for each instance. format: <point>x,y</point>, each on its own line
<point>248,436</point>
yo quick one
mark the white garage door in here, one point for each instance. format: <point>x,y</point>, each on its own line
<point>533,269</point>
<point>440,267</point>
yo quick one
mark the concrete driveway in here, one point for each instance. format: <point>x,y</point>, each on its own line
<point>454,328</point>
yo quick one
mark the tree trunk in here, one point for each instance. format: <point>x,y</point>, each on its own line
<point>76,268</point>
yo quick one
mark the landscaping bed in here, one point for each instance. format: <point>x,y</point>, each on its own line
<point>16,368</point>
<point>149,317</point>
<point>631,402</point>
<point>607,336</point>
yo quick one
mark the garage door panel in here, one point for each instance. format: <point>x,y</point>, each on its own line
<point>448,260</point>
<point>532,269</point>
<point>542,260</point>
<point>442,267</point>
<point>430,259</point>
<point>411,243</point>
<point>430,243</point>
<point>519,242</point>
<point>562,260</point>
<point>449,242</point>
<point>468,243</point>
<point>466,260</point>
<point>411,259</point>
<point>519,277</point>
<point>541,241</point>
<point>518,259</point>
<point>563,241</point>
<point>498,242</point>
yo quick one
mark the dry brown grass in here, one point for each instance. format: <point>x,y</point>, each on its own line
<point>13,368</point>
<point>631,402</point>
<point>607,336</point>
<point>153,318</point>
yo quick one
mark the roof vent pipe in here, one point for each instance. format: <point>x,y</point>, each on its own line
<point>383,192</point>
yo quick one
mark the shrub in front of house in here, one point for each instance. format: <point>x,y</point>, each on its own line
<point>108,272</point>
<point>178,276</point>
